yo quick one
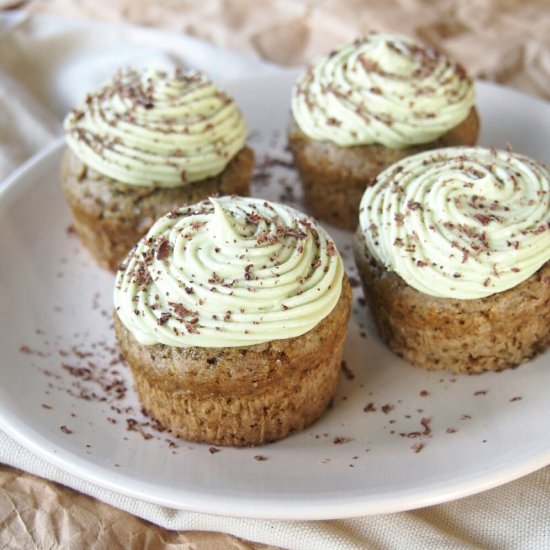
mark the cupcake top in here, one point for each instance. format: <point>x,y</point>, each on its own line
<point>460,222</point>
<point>156,128</point>
<point>383,89</point>
<point>228,272</point>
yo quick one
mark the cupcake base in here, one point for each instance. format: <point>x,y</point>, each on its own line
<point>462,336</point>
<point>334,178</point>
<point>110,217</point>
<point>240,396</point>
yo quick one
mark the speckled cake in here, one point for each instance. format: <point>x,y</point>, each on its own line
<point>232,314</point>
<point>365,106</point>
<point>453,249</point>
<point>144,143</point>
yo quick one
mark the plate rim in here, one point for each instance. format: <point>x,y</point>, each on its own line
<point>338,507</point>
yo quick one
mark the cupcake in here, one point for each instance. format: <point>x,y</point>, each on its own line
<point>144,143</point>
<point>365,106</point>
<point>453,249</point>
<point>232,314</point>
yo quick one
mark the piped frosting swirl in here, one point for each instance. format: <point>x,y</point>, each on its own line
<point>156,128</point>
<point>383,89</point>
<point>228,272</point>
<point>460,222</point>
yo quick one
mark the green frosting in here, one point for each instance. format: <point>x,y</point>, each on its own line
<point>463,222</point>
<point>156,128</point>
<point>384,89</point>
<point>228,272</point>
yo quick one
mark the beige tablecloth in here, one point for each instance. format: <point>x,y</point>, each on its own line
<point>506,41</point>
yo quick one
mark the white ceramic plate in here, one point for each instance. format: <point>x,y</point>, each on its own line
<point>60,373</point>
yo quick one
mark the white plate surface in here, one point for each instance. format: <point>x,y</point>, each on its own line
<point>60,372</point>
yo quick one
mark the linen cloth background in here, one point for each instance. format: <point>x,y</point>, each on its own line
<point>507,41</point>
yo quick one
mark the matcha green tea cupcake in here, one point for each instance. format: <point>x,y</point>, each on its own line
<point>144,143</point>
<point>368,104</point>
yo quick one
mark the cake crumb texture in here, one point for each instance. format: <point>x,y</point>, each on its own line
<point>241,396</point>
<point>464,336</point>
<point>334,178</point>
<point>110,217</point>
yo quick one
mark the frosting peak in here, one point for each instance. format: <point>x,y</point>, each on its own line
<point>386,89</point>
<point>463,222</point>
<point>156,128</point>
<point>228,272</point>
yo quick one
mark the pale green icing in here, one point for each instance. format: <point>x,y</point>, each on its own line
<point>384,89</point>
<point>228,272</point>
<point>463,222</point>
<point>164,129</point>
